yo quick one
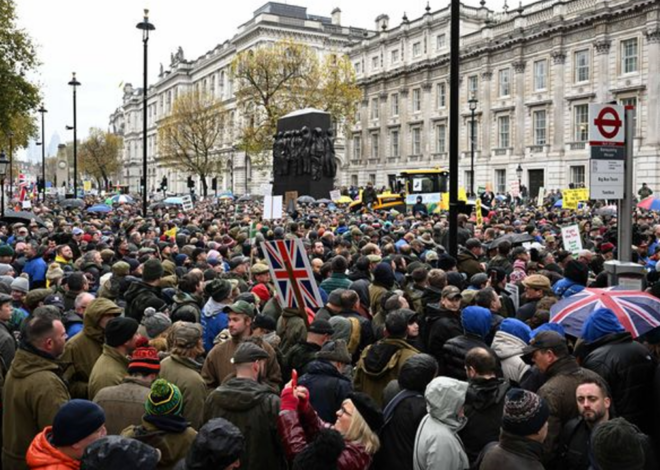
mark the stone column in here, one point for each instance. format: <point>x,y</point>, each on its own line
<point>519,138</point>
<point>485,144</point>
<point>652,127</point>
<point>602,73</point>
<point>558,60</point>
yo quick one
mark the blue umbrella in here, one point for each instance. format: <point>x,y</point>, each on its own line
<point>99,208</point>
<point>173,200</point>
<point>500,197</point>
<point>559,203</point>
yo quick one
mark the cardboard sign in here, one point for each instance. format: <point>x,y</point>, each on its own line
<point>571,197</point>
<point>571,237</point>
<point>186,203</point>
<point>272,207</point>
<point>290,196</point>
<point>335,194</point>
<point>541,196</point>
<point>266,189</point>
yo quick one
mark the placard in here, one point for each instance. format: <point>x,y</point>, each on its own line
<point>290,196</point>
<point>571,237</point>
<point>186,203</point>
<point>266,189</point>
<point>335,194</point>
<point>571,197</point>
<point>272,207</point>
<point>540,197</point>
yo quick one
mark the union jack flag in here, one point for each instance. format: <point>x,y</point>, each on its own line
<point>289,267</point>
<point>637,311</point>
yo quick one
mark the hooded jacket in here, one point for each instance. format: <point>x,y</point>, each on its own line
<point>508,349</point>
<point>185,302</point>
<point>213,320</point>
<point>437,445</point>
<point>173,446</point>
<point>291,328</point>
<point>440,326</point>
<point>42,455</point>
<point>84,349</point>
<point>468,263</point>
<point>35,391</point>
<point>253,408</point>
<point>138,297</point>
<point>110,369</point>
<point>476,325</point>
<point>379,364</point>
<point>186,374</point>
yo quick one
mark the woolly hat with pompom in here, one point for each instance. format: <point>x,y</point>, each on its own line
<point>322,453</point>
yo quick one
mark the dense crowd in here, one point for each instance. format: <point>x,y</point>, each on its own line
<point>160,342</point>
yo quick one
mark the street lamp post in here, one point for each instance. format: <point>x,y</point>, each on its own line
<point>75,83</point>
<point>3,171</point>
<point>11,164</point>
<point>43,111</point>
<point>145,26</point>
<point>472,102</point>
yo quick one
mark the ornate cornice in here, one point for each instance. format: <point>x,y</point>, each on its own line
<point>487,75</point>
<point>519,67</point>
<point>653,36</point>
<point>602,46</point>
<point>558,57</point>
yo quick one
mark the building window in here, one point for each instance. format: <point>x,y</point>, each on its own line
<point>442,95</point>
<point>440,41</point>
<point>577,175</point>
<point>221,85</point>
<point>394,103</point>
<point>631,101</point>
<point>441,138</point>
<point>582,66</point>
<point>375,62</point>
<point>540,130</point>
<point>540,75</point>
<point>357,147</point>
<point>503,131</point>
<point>417,141</point>
<point>505,82</point>
<point>417,49</point>
<point>394,143</point>
<point>375,147</point>
<point>354,180</point>
<point>417,100</point>
<point>629,55</point>
<point>372,178</point>
<point>394,56</point>
<point>500,181</point>
<point>374,108</point>
<point>358,67</point>
<point>581,122</point>
<point>472,86</point>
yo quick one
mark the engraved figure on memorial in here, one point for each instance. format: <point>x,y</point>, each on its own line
<point>296,147</point>
<point>318,149</point>
<point>306,150</point>
<point>278,163</point>
<point>286,153</point>
<point>329,162</point>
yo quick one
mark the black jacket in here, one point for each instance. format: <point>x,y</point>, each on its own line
<point>454,352</point>
<point>298,357</point>
<point>484,404</point>
<point>442,325</point>
<point>138,297</point>
<point>328,388</point>
<point>628,368</point>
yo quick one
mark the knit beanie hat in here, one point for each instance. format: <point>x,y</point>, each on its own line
<point>516,328</point>
<point>119,330</point>
<point>6,250</point>
<point>525,412</point>
<point>145,361</point>
<point>322,453</point>
<point>600,323</point>
<point>152,270</point>
<point>76,420</point>
<point>617,444</point>
<point>20,284</point>
<point>54,272</point>
<point>155,322</point>
<point>164,399</point>
<point>335,351</point>
<point>218,445</point>
<point>577,272</point>
<point>218,289</point>
<point>5,268</point>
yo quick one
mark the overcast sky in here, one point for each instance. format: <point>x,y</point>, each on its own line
<point>98,40</point>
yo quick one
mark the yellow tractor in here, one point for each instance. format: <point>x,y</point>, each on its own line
<point>430,184</point>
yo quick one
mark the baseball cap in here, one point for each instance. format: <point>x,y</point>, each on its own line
<point>451,293</point>
<point>241,306</point>
<point>545,340</point>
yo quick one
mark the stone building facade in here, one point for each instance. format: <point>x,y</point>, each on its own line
<point>533,72</point>
<point>211,72</point>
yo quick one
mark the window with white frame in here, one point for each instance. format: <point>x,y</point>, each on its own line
<point>357,66</point>
<point>540,75</point>
<point>472,86</point>
<point>357,147</point>
<point>581,119</point>
<point>221,85</point>
<point>417,49</point>
<point>505,82</point>
<point>375,145</point>
<point>416,141</point>
<point>354,180</point>
<point>631,101</point>
<point>629,52</point>
<point>577,175</point>
<point>375,108</point>
<point>372,178</point>
<point>503,125</point>
<point>582,66</point>
<point>440,41</point>
<point>500,181</point>
<point>441,138</point>
<point>417,100</point>
<point>394,104</point>
<point>394,143</point>
<point>442,95</point>
<point>394,56</point>
<point>540,127</point>
<point>375,62</point>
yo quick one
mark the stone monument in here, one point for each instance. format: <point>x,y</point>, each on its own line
<point>304,154</point>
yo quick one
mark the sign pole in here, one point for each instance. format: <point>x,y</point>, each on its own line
<point>626,204</point>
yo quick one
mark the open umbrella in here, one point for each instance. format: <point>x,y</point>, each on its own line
<point>513,238</point>
<point>72,203</point>
<point>559,203</point>
<point>637,311</point>
<point>650,203</point>
<point>99,208</point>
<point>173,200</point>
<point>306,200</point>
<point>500,197</point>
<point>323,201</point>
<point>12,217</point>
<point>607,210</point>
<point>245,198</point>
<point>120,199</point>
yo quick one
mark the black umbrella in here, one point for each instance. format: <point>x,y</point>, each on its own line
<point>245,198</point>
<point>513,238</point>
<point>12,217</point>
<point>306,200</point>
<point>323,201</point>
<point>72,203</point>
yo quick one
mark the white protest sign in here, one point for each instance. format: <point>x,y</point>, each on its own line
<point>273,207</point>
<point>266,189</point>
<point>335,194</point>
<point>541,196</point>
<point>571,237</point>
<point>186,203</point>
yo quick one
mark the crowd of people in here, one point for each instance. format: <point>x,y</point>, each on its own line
<point>160,342</point>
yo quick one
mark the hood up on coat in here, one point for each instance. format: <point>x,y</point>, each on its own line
<point>96,309</point>
<point>238,394</point>
<point>600,323</point>
<point>445,398</point>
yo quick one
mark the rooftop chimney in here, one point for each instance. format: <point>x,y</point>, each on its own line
<point>336,17</point>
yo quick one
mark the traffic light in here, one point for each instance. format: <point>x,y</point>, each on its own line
<point>163,184</point>
<point>214,183</point>
<point>191,183</point>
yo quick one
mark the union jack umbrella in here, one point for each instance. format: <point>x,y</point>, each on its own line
<point>637,311</point>
<point>291,272</point>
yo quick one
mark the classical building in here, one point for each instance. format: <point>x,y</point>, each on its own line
<point>533,71</point>
<point>271,22</point>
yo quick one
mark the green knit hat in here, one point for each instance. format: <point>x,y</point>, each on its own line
<point>164,399</point>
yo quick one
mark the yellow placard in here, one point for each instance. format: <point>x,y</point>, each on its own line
<point>462,195</point>
<point>477,207</point>
<point>87,185</point>
<point>571,197</point>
